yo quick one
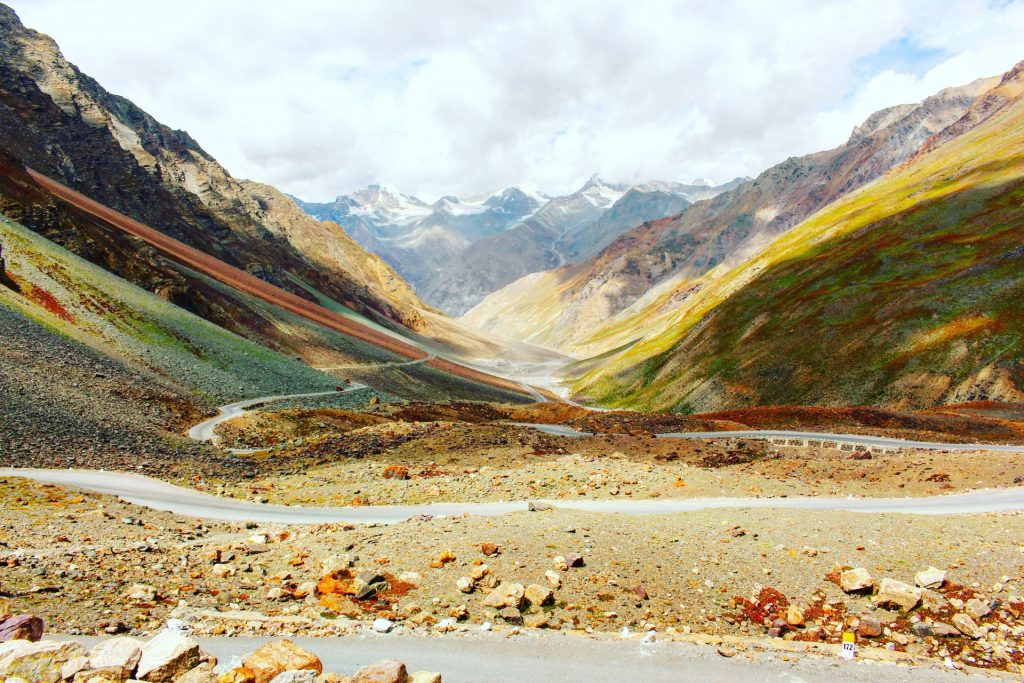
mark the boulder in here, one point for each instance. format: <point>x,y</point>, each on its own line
<point>201,674</point>
<point>387,671</point>
<point>512,615</point>
<point>539,595</point>
<point>943,630</point>
<point>167,656</point>
<point>238,674</point>
<point>123,652</point>
<point>535,620</point>
<point>38,662</point>
<point>279,656</point>
<point>110,674</point>
<point>932,577</point>
<point>302,676</point>
<point>794,616</point>
<point>382,625</point>
<point>505,595</point>
<point>21,627</point>
<point>424,677</point>
<point>853,580</point>
<point>73,666</point>
<point>893,592</point>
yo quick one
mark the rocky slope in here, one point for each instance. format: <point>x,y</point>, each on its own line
<point>904,293</point>
<point>65,125</point>
<point>455,251</point>
<point>656,266</point>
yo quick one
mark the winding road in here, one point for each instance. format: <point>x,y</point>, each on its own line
<point>206,430</point>
<point>159,495</point>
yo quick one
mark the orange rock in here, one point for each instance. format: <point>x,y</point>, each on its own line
<point>279,656</point>
<point>340,582</point>
<point>237,675</point>
<point>341,604</point>
<point>396,472</point>
<point>489,549</point>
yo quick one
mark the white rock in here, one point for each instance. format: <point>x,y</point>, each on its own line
<point>123,652</point>
<point>383,625</point>
<point>303,676</point>
<point>166,656</point>
<point>855,580</point>
<point>933,577</point>
<point>891,591</point>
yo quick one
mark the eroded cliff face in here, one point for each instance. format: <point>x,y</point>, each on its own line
<point>64,124</point>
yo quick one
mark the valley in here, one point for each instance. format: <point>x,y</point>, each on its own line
<point>721,428</point>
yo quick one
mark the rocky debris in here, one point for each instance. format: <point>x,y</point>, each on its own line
<point>387,671</point>
<point>855,580</point>
<point>505,595</point>
<point>21,627</point>
<point>930,578</point>
<point>141,592</point>
<point>893,592</point>
<point>167,656</point>
<point>171,657</point>
<point>279,656</point>
<point>795,616</point>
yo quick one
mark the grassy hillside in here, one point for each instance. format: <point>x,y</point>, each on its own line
<point>907,292</point>
<point>83,302</point>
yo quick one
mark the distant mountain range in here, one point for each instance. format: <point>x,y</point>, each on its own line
<point>457,250</point>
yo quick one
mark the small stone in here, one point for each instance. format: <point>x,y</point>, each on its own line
<point>794,616</point>
<point>574,560</point>
<point>869,627</point>
<point>382,625</point>
<point>512,615</point>
<point>539,595</point>
<point>141,592</point>
<point>943,630</point>
<point>977,609</point>
<point>465,584</point>
<point>535,620</point>
<point>853,580</point>
<point>388,671</point>
<point>533,506</point>
<point>967,626</point>
<point>893,592</point>
<point>446,625</point>
<point>553,578</point>
<point>489,549</point>
<point>559,563</point>
<point>933,577</point>
<point>726,651</point>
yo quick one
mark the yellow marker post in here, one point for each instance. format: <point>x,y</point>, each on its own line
<point>849,647</point>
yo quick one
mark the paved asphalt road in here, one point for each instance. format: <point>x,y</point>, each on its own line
<point>160,495</point>
<point>563,658</point>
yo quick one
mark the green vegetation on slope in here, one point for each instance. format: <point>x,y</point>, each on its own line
<point>908,292</point>
<point>86,303</point>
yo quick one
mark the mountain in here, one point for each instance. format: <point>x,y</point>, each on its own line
<point>96,175</point>
<point>457,250</point>
<point>65,125</point>
<point>600,304</point>
<point>418,239</point>
<point>906,292</point>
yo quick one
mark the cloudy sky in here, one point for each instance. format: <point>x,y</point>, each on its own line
<point>460,97</point>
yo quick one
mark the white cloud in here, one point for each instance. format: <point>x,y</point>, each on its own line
<point>319,98</point>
